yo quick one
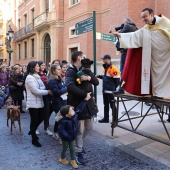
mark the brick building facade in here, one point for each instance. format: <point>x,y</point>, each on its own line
<point>45,29</point>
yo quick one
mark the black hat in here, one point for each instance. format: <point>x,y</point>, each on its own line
<point>64,110</point>
<point>106,57</point>
<point>64,61</point>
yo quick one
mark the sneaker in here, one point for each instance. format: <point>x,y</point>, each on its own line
<point>74,164</point>
<point>55,136</point>
<point>37,132</point>
<point>83,151</point>
<point>104,120</point>
<point>60,141</point>
<point>48,132</point>
<point>80,159</point>
<point>64,161</point>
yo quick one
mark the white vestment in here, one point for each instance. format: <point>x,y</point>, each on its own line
<point>155,58</point>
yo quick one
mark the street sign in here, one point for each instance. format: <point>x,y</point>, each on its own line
<point>105,37</point>
<point>84,26</point>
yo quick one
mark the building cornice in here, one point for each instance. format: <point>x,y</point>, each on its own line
<point>85,13</point>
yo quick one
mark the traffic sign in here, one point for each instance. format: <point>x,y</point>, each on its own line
<point>84,26</point>
<point>105,37</point>
<point>85,29</point>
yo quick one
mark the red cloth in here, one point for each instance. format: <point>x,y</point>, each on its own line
<point>132,72</point>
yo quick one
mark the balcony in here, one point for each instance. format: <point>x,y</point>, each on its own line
<point>44,20</point>
<point>24,33</point>
<point>41,21</point>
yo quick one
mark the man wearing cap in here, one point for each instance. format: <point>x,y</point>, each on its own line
<point>111,79</point>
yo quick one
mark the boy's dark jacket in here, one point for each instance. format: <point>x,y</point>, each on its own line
<point>56,87</point>
<point>76,94</point>
<point>67,127</point>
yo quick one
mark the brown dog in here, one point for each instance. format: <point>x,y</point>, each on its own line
<point>13,113</point>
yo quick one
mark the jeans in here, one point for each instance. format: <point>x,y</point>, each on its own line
<point>84,127</point>
<point>2,101</point>
<point>71,145</point>
<point>122,61</point>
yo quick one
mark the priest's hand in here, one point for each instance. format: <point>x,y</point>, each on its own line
<point>116,34</point>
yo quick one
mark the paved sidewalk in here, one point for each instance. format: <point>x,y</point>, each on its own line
<point>103,151</point>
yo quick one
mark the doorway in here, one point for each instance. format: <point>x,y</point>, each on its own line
<point>47,49</point>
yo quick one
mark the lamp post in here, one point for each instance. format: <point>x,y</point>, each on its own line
<point>9,36</point>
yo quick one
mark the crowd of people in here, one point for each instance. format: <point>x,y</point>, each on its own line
<point>66,89</point>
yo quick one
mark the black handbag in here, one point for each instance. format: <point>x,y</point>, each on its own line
<point>92,107</point>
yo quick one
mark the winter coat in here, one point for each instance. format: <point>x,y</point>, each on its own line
<point>67,127</point>
<point>111,77</point>
<point>131,27</point>
<point>16,94</point>
<point>56,87</point>
<point>76,94</point>
<point>35,90</point>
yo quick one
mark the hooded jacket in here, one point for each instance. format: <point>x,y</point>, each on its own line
<point>67,127</point>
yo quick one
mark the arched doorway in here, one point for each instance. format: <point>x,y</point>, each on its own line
<point>47,50</point>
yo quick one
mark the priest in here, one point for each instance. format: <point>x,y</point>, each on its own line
<point>154,38</point>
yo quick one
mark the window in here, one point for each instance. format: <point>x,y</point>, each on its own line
<point>25,19</point>
<point>72,32</point>
<point>73,2</point>
<point>71,48</point>
<point>19,24</point>
<point>19,51</point>
<point>46,5</point>
<point>25,49</point>
<point>32,47</point>
<point>32,16</point>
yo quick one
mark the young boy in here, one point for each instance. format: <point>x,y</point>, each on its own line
<point>67,129</point>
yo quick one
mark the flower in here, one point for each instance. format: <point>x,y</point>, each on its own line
<point>10,50</point>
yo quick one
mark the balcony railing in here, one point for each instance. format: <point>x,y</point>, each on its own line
<point>42,18</point>
<point>24,31</point>
<point>29,28</point>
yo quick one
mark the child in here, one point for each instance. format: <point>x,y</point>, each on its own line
<point>67,129</point>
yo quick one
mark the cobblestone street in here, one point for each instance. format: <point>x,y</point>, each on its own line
<point>103,152</point>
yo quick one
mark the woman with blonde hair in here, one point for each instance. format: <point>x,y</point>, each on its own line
<point>55,84</point>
